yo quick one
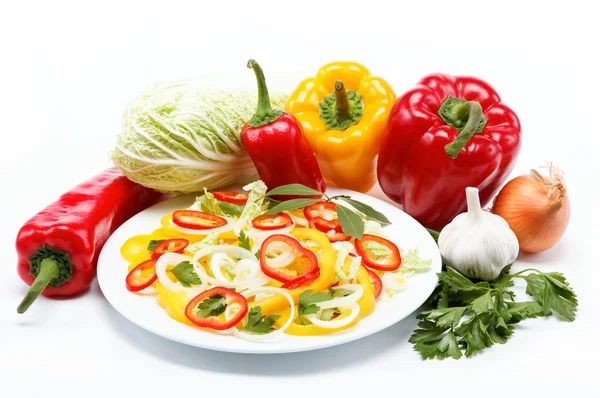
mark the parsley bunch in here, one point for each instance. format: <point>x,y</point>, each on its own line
<point>469,316</point>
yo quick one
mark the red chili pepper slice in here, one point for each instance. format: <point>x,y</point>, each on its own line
<point>142,276</point>
<point>268,222</point>
<point>205,309</point>
<point>303,280</point>
<point>315,215</point>
<point>305,262</point>
<point>375,282</point>
<point>388,262</point>
<point>176,245</point>
<point>337,236</point>
<point>232,197</point>
<point>194,219</point>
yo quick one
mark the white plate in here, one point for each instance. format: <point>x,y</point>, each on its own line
<point>144,311</point>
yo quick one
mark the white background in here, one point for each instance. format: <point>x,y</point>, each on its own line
<point>67,69</point>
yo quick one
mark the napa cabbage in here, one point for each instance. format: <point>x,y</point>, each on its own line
<point>178,137</point>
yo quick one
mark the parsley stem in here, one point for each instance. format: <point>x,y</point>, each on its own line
<point>518,274</point>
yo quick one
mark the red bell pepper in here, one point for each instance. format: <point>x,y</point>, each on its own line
<point>444,135</point>
<point>370,247</point>
<point>176,245</point>
<point>276,144</point>
<point>269,222</point>
<point>375,282</point>
<point>316,216</point>
<point>303,280</point>
<point>304,263</point>
<point>58,248</point>
<point>236,198</point>
<point>142,276</point>
<point>194,219</point>
<point>204,309</point>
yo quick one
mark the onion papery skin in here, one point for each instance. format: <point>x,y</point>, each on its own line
<point>538,221</point>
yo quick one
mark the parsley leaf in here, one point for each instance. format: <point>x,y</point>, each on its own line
<point>258,323</point>
<point>553,293</point>
<point>306,302</point>
<point>185,274</point>
<point>244,241</point>
<point>152,244</point>
<point>211,306</point>
<point>468,316</point>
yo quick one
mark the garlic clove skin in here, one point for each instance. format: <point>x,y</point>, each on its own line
<point>478,244</point>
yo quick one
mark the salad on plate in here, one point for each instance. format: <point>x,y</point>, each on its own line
<point>251,265</point>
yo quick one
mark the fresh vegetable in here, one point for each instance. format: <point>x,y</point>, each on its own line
<point>59,246</point>
<point>284,259</point>
<point>323,216</point>
<point>176,245</point>
<point>275,269</point>
<point>142,276</point>
<point>536,207</point>
<point>343,111</point>
<point>209,203</point>
<point>176,273</point>
<point>478,244</point>
<point>204,309</point>
<point>378,253</point>
<point>303,280</point>
<point>235,198</point>
<point>177,137</point>
<point>259,327</point>
<point>444,135</point>
<point>326,215</point>
<point>193,219</point>
<point>254,204</point>
<point>376,282</point>
<point>467,317</point>
<point>268,222</point>
<point>277,145</point>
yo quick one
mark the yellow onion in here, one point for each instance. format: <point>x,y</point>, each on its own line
<point>536,208</point>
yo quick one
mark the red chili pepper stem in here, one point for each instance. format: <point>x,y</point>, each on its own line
<point>454,111</point>
<point>265,114</point>
<point>49,270</point>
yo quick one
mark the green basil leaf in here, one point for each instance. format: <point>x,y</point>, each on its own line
<point>292,204</point>
<point>294,189</point>
<point>367,210</point>
<point>351,222</point>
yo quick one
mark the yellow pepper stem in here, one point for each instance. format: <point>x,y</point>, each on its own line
<point>342,105</point>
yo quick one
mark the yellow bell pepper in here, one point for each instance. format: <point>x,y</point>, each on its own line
<point>173,303</point>
<point>135,249</point>
<point>326,257</point>
<point>343,112</point>
<point>366,303</point>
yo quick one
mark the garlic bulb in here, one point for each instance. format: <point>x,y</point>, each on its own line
<point>478,244</point>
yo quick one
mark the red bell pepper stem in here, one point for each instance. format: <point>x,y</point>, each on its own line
<point>475,112</point>
<point>264,112</point>
<point>342,105</point>
<point>48,271</point>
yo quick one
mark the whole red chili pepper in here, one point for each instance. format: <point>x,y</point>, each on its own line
<point>276,144</point>
<point>58,247</point>
<point>446,134</point>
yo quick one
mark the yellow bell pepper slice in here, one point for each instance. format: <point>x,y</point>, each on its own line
<point>173,303</point>
<point>343,111</point>
<point>366,303</point>
<point>135,249</point>
<point>326,257</point>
